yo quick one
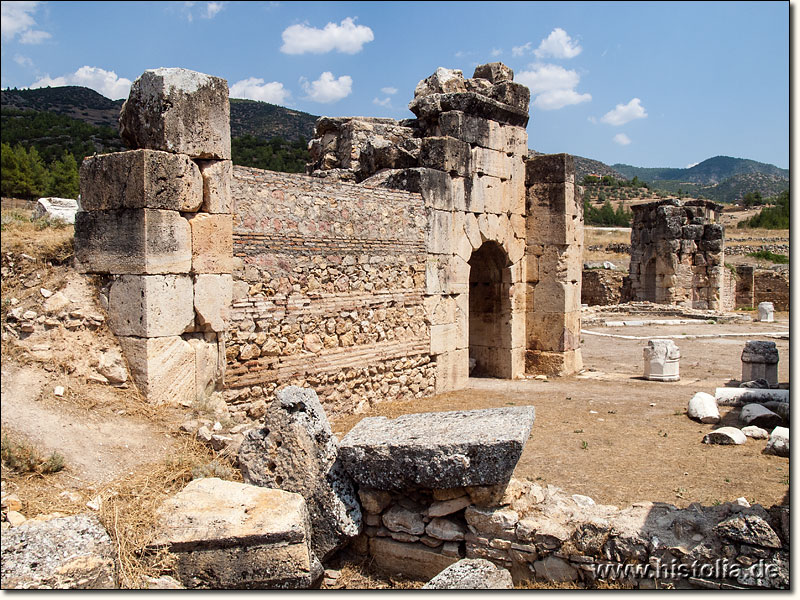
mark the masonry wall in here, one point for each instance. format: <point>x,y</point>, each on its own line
<point>328,291</point>
<point>771,286</point>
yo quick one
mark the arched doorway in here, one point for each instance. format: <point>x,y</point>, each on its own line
<point>489,312</point>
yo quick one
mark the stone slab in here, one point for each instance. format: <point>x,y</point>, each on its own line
<point>140,179</point>
<point>230,535</point>
<point>471,574</point>
<point>62,209</point>
<point>437,450</point>
<point>729,396</point>
<point>412,560</point>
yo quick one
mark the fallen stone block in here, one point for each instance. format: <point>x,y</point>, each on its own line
<point>63,553</point>
<point>437,450</point>
<point>414,560</point>
<point>778,443</point>
<point>740,396</point>
<point>229,535</point>
<point>162,368</point>
<point>140,179</point>
<point>703,408</point>
<point>760,416</point>
<point>725,436</point>
<point>150,306</point>
<point>297,451</point>
<point>180,111</point>
<point>61,209</point>
<point>471,574</point>
<point>149,242</point>
<point>757,433</point>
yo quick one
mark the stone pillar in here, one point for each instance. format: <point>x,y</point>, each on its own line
<point>156,220</point>
<point>760,361</point>
<point>554,261</point>
<point>661,361</point>
<point>766,312</point>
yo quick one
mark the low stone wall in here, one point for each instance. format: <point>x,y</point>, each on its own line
<point>328,291</point>
<point>771,286</point>
<point>601,287</point>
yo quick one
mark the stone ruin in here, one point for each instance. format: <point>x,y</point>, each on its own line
<point>413,249</point>
<point>677,254</point>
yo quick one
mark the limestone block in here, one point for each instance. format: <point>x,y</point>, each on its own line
<point>445,154</point>
<point>132,242</point>
<point>766,312</point>
<point>472,230</point>
<point>516,249</point>
<point>514,195</point>
<point>487,192</point>
<point>216,185</point>
<point>541,362</point>
<point>140,179</point>
<point>437,450</point>
<point>209,364</point>
<point>778,443</point>
<point>429,107</point>
<point>471,574</point>
<point>73,552</point>
<point>412,560</point>
<point>494,163</point>
<point>60,209</point>
<point>558,229</point>
<point>230,535</point>
<point>725,436</point>
<point>452,370</point>
<point>150,306</point>
<point>511,93</point>
<point>440,309</point>
<point>760,416</point>
<point>439,236</point>
<point>473,130</point>
<point>531,267</point>
<point>433,267</point>
<point>213,295</point>
<point>550,168</point>
<point>454,275</point>
<point>760,361</point>
<point>297,451</point>
<point>443,338</point>
<point>443,81</point>
<point>439,190</point>
<point>703,408</point>
<point>461,302</point>
<point>212,243</point>
<point>560,263</point>
<point>552,296</point>
<point>558,198</point>
<point>495,72</point>
<point>180,111</point>
<point>553,332</point>
<point>517,142</point>
<point>162,368</point>
<point>661,360</point>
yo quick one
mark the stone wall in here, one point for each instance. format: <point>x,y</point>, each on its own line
<point>677,254</point>
<point>328,292</point>
<point>601,287</point>
<point>771,286</point>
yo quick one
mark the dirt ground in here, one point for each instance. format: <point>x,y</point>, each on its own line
<point>611,435</point>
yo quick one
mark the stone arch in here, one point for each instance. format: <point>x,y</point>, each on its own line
<point>490,311</point>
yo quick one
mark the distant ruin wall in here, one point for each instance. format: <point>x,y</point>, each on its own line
<point>601,287</point>
<point>328,291</point>
<point>771,286</point>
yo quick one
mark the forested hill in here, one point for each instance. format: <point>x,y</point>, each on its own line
<point>709,172</point>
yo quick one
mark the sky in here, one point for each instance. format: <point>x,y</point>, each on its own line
<point>651,84</point>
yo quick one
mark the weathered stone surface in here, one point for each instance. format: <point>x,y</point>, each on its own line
<point>212,243</point>
<point>492,521</point>
<point>112,367</point>
<point>140,179</point>
<point>447,530</point>
<point>437,450</point>
<point>703,407</point>
<point>661,360</point>
<point>150,306</point>
<point>471,574</point>
<point>374,501</point>
<point>428,107</point>
<point>162,368</point>
<point>511,93</point>
<point>748,529</point>
<point>448,507</point>
<point>766,312</point>
<point>61,209</point>
<point>445,154</point>
<point>443,81</point>
<point>412,560</point>
<point>725,436</point>
<point>297,451</point>
<point>398,518</point>
<point>741,396</point>
<point>495,72</point>
<point>177,110</point>
<point>778,443</point>
<point>755,432</point>
<point>550,168</point>
<point>213,294</point>
<point>229,535</point>
<point>553,568</point>
<point>63,553</point>
<point>759,351</point>
<point>216,176</point>
<point>138,242</point>
<point>760,416</point>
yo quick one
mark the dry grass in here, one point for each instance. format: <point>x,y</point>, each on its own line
<point>42,239</point>
<point>356,573</point>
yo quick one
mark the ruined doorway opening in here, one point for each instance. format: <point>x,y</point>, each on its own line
<point>649,279</point>
<point>489,312</point>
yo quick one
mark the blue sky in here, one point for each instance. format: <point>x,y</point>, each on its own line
<point>645,83</point>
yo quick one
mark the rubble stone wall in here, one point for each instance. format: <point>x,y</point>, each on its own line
<point>329,282</point>
<point>677,254</point>
<point>601,287</point>
<point>771,286</point>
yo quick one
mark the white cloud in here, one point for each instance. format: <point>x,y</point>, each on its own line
<point>16,19</point>
<point>23,61</point>
<point>206,10</point>
<point>520,50</point>
<point>386,102</point>
<point>625,113</point>
<point>100,80</point>
<point>212,8</point>
<point>389,91</point>
<point>327,88</point>
<point>254,88</point>
<point>552,86</point>
<point>347,37</point>
<point>622,139</point>
<point>496,52</point>
<point>558,45</point>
